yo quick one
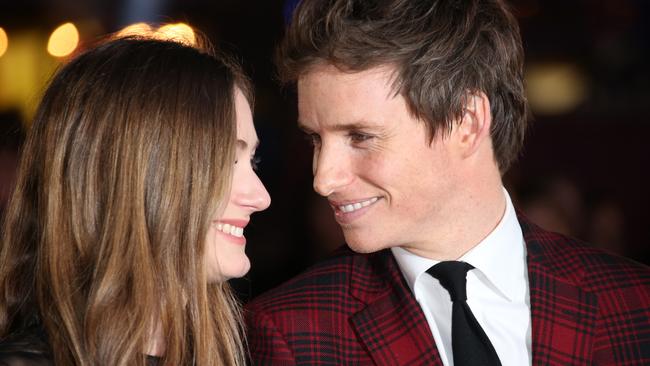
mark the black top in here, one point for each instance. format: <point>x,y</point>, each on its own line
<point>26,348</point>
<point>30,348</point>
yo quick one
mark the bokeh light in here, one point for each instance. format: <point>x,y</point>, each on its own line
<point>555,88</point>
<point>24,72</point>
<point>63,41</point>
<point>4,42</point>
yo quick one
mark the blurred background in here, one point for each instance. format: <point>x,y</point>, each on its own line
<point>584,170</point>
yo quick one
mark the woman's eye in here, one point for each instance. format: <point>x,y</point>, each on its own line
<point>313,138</point>
<point>255,162</point>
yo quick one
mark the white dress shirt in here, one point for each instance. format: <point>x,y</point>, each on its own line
<point>497,292</point>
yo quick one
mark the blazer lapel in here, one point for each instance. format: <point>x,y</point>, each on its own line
<point>392,326</point>
<point>563,315</point>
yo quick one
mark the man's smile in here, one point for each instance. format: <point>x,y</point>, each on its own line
<point>353,206</point>
<point>347,211</point>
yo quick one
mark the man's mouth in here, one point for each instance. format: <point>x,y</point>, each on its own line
<point>354,206</point>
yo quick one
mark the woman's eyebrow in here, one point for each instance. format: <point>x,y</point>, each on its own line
<point>242,144</point>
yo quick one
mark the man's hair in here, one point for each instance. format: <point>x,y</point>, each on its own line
<point>443,51</point>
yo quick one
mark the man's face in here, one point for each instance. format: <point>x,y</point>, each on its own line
<point>372,160</point>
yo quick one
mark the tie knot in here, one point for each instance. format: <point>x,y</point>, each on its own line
<point>453,277</point>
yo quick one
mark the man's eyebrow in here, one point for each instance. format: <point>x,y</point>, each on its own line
<point>354,126</point>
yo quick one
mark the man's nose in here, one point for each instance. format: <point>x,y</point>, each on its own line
<point>331,170</point>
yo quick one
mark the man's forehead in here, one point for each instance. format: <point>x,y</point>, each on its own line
<point>352,95</point>
<point>386,73</point>
<point>333,99</point>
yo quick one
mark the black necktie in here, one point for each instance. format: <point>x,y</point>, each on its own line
<point>470,345</point>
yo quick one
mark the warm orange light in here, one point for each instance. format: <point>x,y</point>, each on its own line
<point>555,88</point>
<point>4,42</point>
<point>63,40</point>
<point>24,71</point>
<point>179,32</point>
<point>137,29</point>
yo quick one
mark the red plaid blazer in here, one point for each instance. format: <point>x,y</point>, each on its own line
<point>588,308</point>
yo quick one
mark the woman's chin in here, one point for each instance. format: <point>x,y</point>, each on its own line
<point>230,270</point>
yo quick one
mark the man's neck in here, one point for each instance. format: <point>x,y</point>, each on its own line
<point>475,215</point>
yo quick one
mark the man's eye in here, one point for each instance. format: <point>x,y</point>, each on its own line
<point>358,137</point>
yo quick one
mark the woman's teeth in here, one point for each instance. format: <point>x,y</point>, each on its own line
<point>357,205</point>
<point>231,229</point>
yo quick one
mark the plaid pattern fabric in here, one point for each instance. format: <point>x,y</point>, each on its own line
<point>588,308</point>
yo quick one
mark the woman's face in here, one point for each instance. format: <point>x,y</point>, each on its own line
<point>226,241</point>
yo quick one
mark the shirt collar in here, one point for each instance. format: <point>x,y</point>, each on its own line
<point>498,258</point>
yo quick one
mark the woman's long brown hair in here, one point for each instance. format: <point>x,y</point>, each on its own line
<point>129,156</point>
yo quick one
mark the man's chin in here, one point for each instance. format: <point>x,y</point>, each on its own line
<point>364,247</point>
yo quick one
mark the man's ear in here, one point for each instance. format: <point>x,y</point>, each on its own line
<point>474,127</point>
